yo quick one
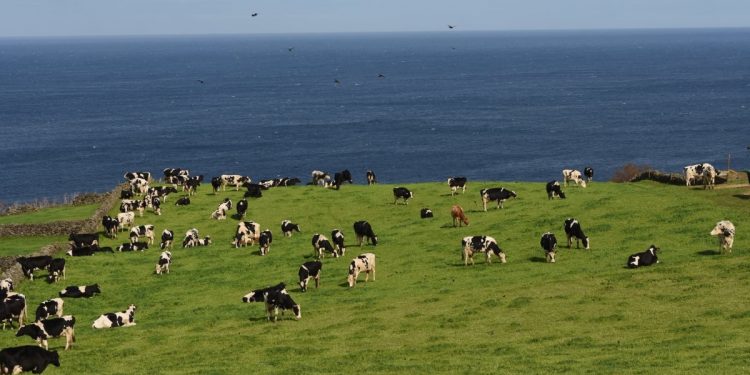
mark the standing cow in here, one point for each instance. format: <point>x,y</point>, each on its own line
<point>554,190</point>
<point>363,263</point>
<point>457,213</point>
<point>481,244</point>
<point>287,227</point>
<point>573,175</point>
<point>371,179</point>
<point>573,230</point>
<point>363,230</point>
<point>402,193</point>
<point>496,194</point>
<point>725,231</point>
<point>456,183</point>
<point>307,271</point>
<point>549,245</point>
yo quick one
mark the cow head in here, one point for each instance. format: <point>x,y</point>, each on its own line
<point>94,289</point>
<point>586,243</point>
<point>653,249</point>
<point>297,312</point>
<point>254,296</point>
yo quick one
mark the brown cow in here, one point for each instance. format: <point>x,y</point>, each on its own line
<point>458,215</point>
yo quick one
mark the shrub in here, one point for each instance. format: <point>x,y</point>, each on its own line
<point>629,171</point>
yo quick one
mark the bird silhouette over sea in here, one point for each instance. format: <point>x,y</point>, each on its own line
<point>200,80</point>
<point>336,81</point>
<point>381,75</point>
<point>451,26</point>
<point>255,14</point>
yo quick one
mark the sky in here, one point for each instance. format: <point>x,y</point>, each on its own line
<point>177,17</point>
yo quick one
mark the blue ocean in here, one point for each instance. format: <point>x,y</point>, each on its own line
<point>77,113</point>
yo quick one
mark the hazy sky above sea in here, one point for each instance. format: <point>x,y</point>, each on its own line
<point>137,17</point>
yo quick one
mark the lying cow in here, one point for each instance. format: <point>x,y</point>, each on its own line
<point>337,237</point>
<point>321,245</point>
<point>162,265</point>
<point>457,213</point>
<point>27,358</point>
<point>136,246</point>
<point>645,258</point>
<point>573,230</point>
<point>363,230</point>
<point>29,264</point>
<point>362,263</point>
<point>50,328</point>
<point>233,180</point>
<point>496,194</point>
<point>167,239</point>
<point>481,244</point>
<point>725,231</point>
<point>116,319</point>
<point>425,213</point>
<point>307,271</point>
<point>402,193</point>
<point>554,190</point>
<point>456,183</point>
<point>84,239</point>
<point>371,178</point>
<point>56,269</point>
<point>573,175</point>
<point>549,245</point>
<point>287,227</point>
<point>221,211</point>
<point>183,201</point>
<point>87,250</point>
<point>241,208</point>
<point>142,231</point>
<point>194,242</point>
<point>86,291</point>
<point>48,308</point>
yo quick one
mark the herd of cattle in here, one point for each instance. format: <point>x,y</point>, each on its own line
<point>51,323</point>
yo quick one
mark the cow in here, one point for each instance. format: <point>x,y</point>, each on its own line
<point>29,264</point>
<point>337,237</point>
<point>241,208</point>
<point>116,319</point>
<point>573,175</point>
<point>319,176</point>
<point>6,285</point>
<point>287,181</point>
<point>56,269</point>
<point>156,205</point>
<point>161,192</point>
<point>645,258</point>
<point>693,172</point>
<point>191,234</point>
<point>111,225</point>
<point>162,265</point>
<point>216,183</point>
<point>456,183</point>
<point>371,179</point>
<point>554,190</point>
<point>50,307</point>
<point>84,239</point>
<point>87,250</point>
<point>321,244</point>
<point>362,263</point>
<point>425,213</point>
<point>307,271</point>
<point>402,193</point>
<point>589,173</point>
<point>142,231</point>
<point>287,227</point>
<point>259,295</point>
<point>126,194</point>
<point>86,291</point>
<point>233,180</point>
<point>709,176</point>
<point>457,213</point>
<point>193,242</point>
<point>221,211</point>
<point>174,175</point>
<point>130,176</point>
<point>248,232</point>
<point>191,184</point>
<point>264,241</point>
<point>496,194</point>
<point>50,328</point>
<point>471,245</point>
<point>573,230</point>
<point>167,239</point>
<point>182,201</point>
<point>253,191</point>
<point>340,177</point>
<point>276,301</point>
<point>27,358</point>
<point>363,229</point>
<point>13,307</point>
<point>134,246</point>
<point>126,219</point>
<point>549,245</point>
<point>139,186</point>
<point>725,231</point>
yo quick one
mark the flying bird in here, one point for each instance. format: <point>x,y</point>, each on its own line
<point>254,14</point>
<point>336,81</point>
<point>200,80</point>
<point>381,75</point>
<point>451,26</point>
<point>290,49</point>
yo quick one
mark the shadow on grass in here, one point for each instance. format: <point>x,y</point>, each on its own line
<point>538,260</point>
<point>709,252</point>
<point>742,196</point>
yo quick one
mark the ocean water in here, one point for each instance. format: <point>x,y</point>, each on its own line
<point>77,113</point>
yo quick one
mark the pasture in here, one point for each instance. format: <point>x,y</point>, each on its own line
<point>426,312</point>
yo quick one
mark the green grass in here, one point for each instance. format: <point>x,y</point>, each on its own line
<point>427,312</point>
<point>23,245</point>
<point>48,215</point>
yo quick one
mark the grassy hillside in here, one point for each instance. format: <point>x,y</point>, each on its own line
<point>427,312</point>
<point>48,215</point>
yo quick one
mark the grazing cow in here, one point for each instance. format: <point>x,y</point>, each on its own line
<point>318,177</point>
<point>287,227</point>
<point>259,295</point>
<point>321,244</point>
<point>725,230</point>
<point>253,191</point>
<point>241,208</point>
<point>29,264</point>
<point>233,180</point>
<point>276,301</point>
<point>175,175</point>
<point>589,173</point>
<point>362,263</point>
<point>116,319</point>
<point>573,230</point>
<point>645,258</point>
<point>554,190</point>
<point>86,291</point>
<point>455,183</point>
<point>471,245</point>
<point>309,270</point>
<point>126,219</point>
<point>191,234</point>
<point>264,241</point>
<point>27,358</point>
<point>425,213</point>
<point>573,175</point>
<point>139,186</point>
<point>56,269</point>
<point>403,193</point>
<point>247,233</point>
<point>549,245</point>
<point>13,307</point>
<point>337,237</point>
<point>50,328</point>
<point>371,179</point>
<point>162,265</point>
<point>135,246</point>
<point>84,239</point>
<point>111,225</point>
<point>126,194</point>
<point>50,307</point>
<point>183,201</point>
<point>340,177</point>
<point>191,184</point>
<point>364,229</point>
<point>457,213</point>
<point>496,194</point>
<point>167,238</point>
<point>142,231</point>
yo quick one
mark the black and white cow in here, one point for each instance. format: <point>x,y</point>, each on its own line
<point>554,190</point>
<point>175,175</point>
<point>645,258</point>
<point>254,191</point>
<point>135,246</point>
<point>471,245</point>
<point>371,178</point>
<point>194,242</point>
<point>248,232</point>
<point>29,264</point>
<point>6,286</point>
<point>233,180</point>
<point>162,265</point>
<point>456,183</point>
<point>307,271</point>
<point>139,186</point>
<point>86,291</point>
<point>573,230</point>
<point>87,250</point>
<point>319,177</point>
<point>161,191</point>
<point>589,173</point>
<point>116,319</point>
<point>156,205</point>
<point>337,237</point>
<point>264,241</point>
<point>111,225</point>
<point>126,219</point>
<point>56,269</point>
<point>50,328</point>
<point>340,177</point>
<point>222,210</point>
<point>496,194</point>
<point>287,227</point>
<point>27,358</point>
<point>191,234</point>
<point>167,239</point>
<point>126,194</point>
<point>425,213</point>
<point>130,176</point>
<point>573,175</point>
<point>259,295</point>
<point>241,208</point>
<point>278,301</point>
<point>50,307</point>
<point>321,245</point>
<point>84,239</point>
<point>13,307</point>
<point>183,201</point>
<point>287,181</point>
<point>216,183</point>
<point>549,245</point>
<point>363,229</point>
<point>402,193</point>
<point>191,184</point>
<point>362,263</point>
<point>725,231</point>
<point>703,172</point>
<point>142,231</point>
